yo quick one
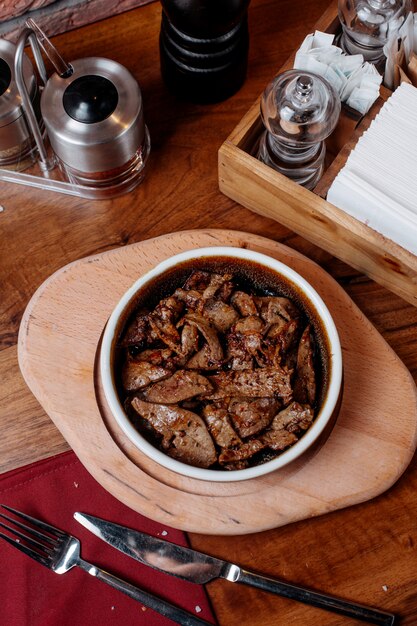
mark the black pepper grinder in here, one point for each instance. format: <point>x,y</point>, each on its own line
<point>204,47</point>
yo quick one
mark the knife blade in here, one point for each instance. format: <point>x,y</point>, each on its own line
<point>201,568</point>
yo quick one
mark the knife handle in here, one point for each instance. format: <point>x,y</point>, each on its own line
<point>165,608</point>
<point>314,598</point>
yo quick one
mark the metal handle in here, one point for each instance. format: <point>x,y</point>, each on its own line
<point>28,34</point>
<point>63,68</point>
<point>314,598</point>
<point>175,613</point>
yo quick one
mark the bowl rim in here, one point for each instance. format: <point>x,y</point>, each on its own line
<point>309,437</point>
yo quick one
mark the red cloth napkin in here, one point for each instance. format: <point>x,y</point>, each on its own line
<point>32,595</point>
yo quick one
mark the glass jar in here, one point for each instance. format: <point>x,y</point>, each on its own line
<point>299,110</point>
<point>368,24</point>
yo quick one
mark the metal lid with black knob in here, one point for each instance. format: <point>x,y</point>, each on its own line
<point>92,112</point>
<point>94,116</point>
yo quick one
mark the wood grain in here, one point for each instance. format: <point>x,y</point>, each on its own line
<point>58,344</point>
<point>353,552</point>
<point>22,414</point>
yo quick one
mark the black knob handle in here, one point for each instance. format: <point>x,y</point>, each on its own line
<point>5,76</point>
<point>90,99</point>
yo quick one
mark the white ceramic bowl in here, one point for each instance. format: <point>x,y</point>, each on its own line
<point>309,299</point>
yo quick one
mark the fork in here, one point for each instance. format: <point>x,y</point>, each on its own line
<point>59,552</point>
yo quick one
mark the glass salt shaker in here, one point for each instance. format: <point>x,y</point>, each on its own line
<point>368,24</point>
<point>299,110</point>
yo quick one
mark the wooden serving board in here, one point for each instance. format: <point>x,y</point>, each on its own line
<point>368,449</point>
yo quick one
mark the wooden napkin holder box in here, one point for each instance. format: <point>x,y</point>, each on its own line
<point>263,190</point>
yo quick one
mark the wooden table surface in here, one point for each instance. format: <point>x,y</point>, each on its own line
<point>365,553</point>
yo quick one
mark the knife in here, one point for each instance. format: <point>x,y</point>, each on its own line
<point>201,568</point>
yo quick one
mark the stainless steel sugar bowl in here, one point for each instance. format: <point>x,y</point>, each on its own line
<point>17,145</point>
<point>94,120</point>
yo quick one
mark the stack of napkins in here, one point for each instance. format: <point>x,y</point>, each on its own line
<point>357,82</point>
<point>378,184</point>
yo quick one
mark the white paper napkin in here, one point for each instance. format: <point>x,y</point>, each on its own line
<point>356,82</point>
<point>378,184</point>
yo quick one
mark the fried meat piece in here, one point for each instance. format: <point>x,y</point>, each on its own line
<point>209,334</point>
<point>198,280</point>
<point>284,333</point>
<point>250,325</point>
<point>285,426</point>
<point>251,329</point>
<point>239,465</point>
<point>305,380</point>
<point>139,374</point>
<point>139,332</point>
<point>244,341</point>
<point>163,319</point>
<point>184,435</point>
<point>202,360</point>
<point>182,385</point>
<point>156,356</point>
<point>210,284</point>
<point>220,284</point>
<point>279,439</point>
<point>272,308</point>
<point>189,340</point>
<point>241,453</point>
<point>259,383</point>
<point>191,298</point>
<point>244,303</point>
<point>237,354</point>
<point>221,315</point>
<point>252,415</point>
<point>220,428</point>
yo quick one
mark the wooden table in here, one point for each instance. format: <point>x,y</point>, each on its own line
<point>366,553</point>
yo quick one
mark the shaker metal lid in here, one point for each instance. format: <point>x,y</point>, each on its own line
<point>94,117</point>
<point>10,100</point>
<point>90,99</point>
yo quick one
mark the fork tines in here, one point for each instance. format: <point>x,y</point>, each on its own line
<point>38,550</point>
<point>39,524</point>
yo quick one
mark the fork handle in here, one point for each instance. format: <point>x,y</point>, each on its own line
<point>175,613</point>
<point>315,598</point>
